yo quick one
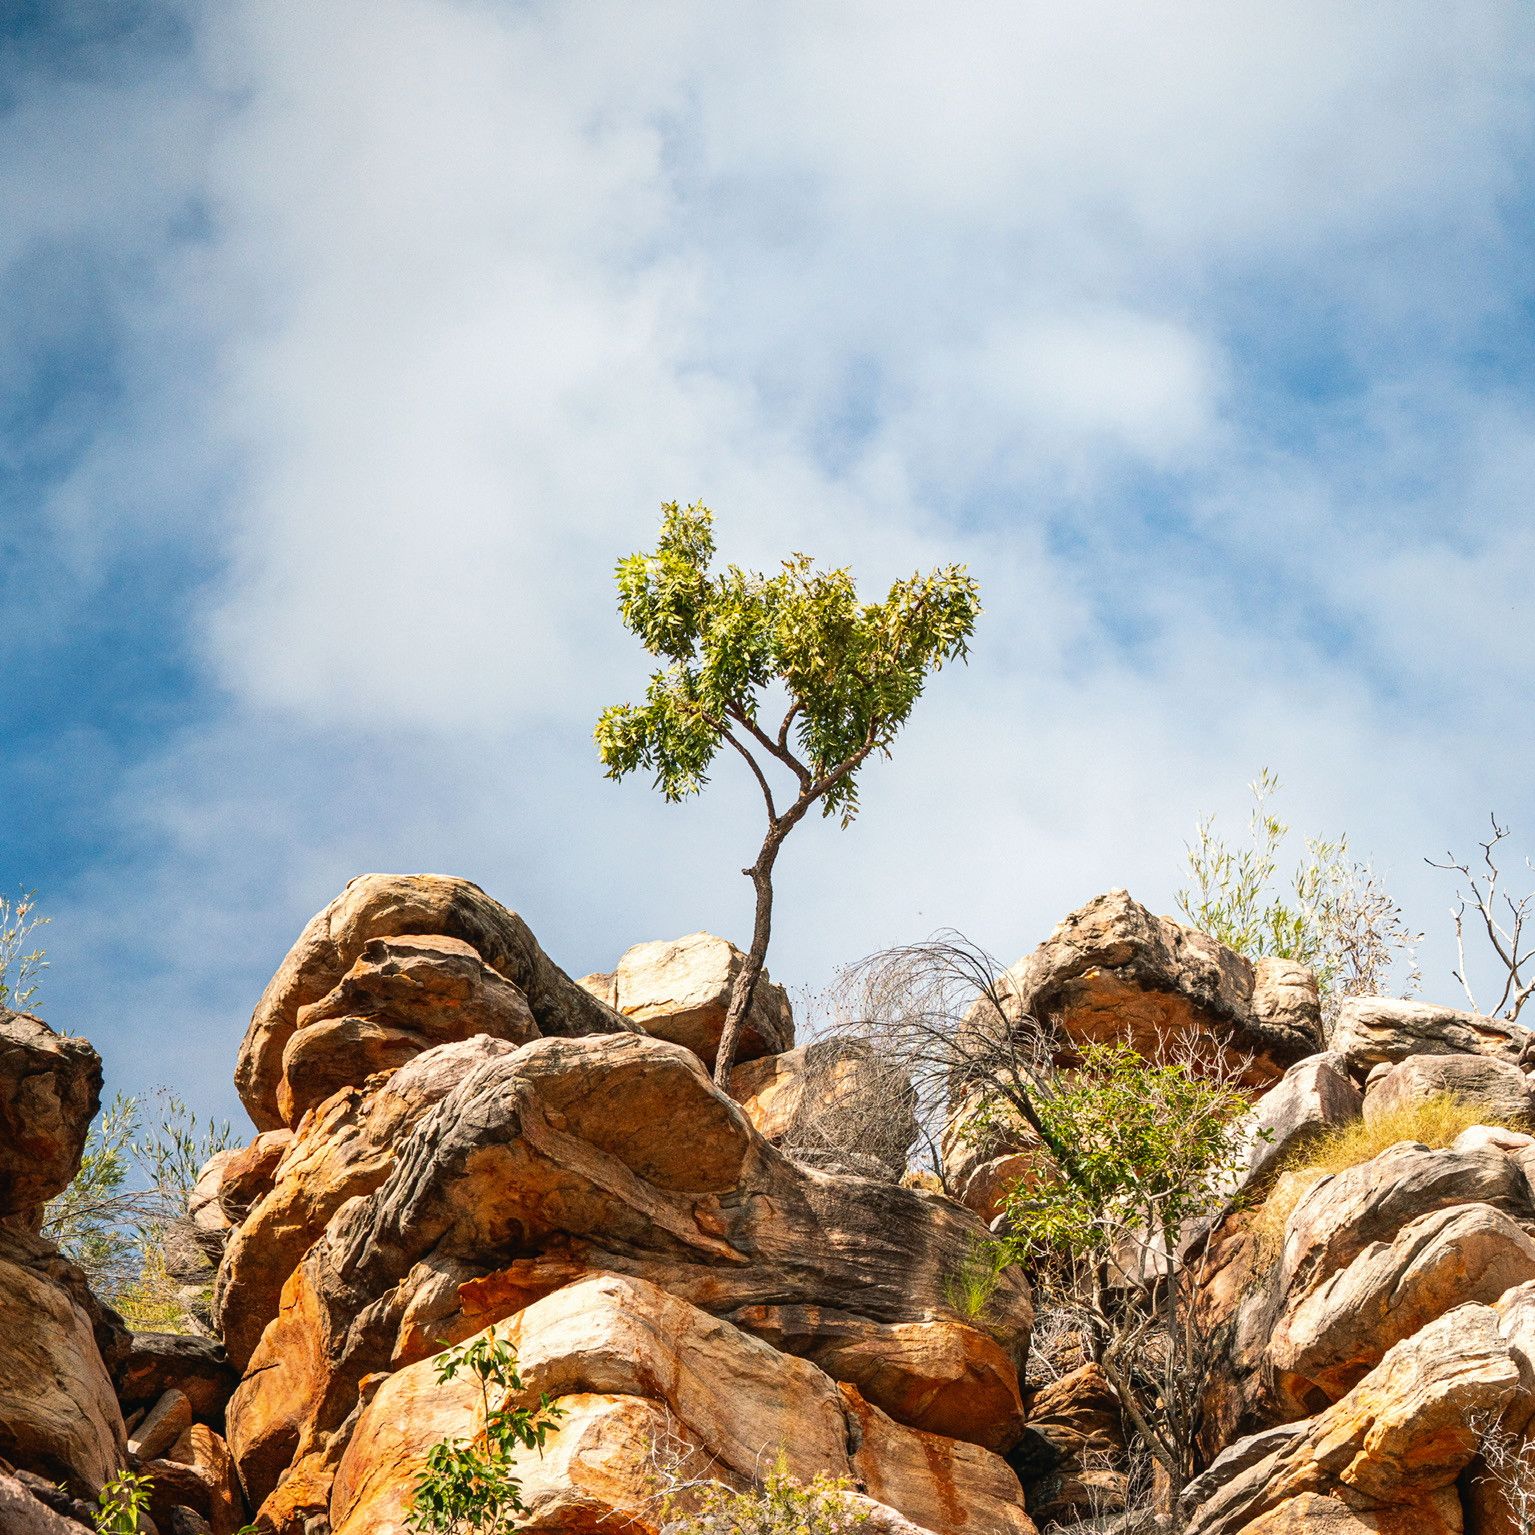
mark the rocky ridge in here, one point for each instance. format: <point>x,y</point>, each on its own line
<point>456,1136</point>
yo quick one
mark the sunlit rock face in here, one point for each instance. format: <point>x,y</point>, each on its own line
<point>456,1138</point>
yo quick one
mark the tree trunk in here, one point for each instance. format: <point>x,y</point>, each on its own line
<point>744,986</point>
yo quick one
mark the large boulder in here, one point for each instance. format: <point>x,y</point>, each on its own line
<point>1112,971</point>
<point>50,1090</point>
<point>679,989</point>
<point>1372,1030</point>
<point>1314,1096</point>
<point>419,907</point>
<point>58,1414</point>
<point>642,1375</point>
<point>1389,1448</point>
<point>1341,1330</point>
<point>1497,1086</point>
<point>568,1156</point>
<point>342,1150</point>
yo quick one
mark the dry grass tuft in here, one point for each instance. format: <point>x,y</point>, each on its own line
<point>1434,1122</point>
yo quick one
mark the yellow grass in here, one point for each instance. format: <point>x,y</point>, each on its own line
<point>1434,1122</point>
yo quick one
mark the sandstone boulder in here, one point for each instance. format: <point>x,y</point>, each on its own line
<point>50,1090</point>
<point>643,1377</point>
<point>833,1103</point>
<point>23,1513</point>
<point>679,989</point>
<point>565,1156</point>
<point>342,1150</point>
<point>401,996</point>
<point>1315,1095</point>
<point>1393,1443</point>
<point>1342,1329</point>
<point>1496,1085</point>
<point>159,1361</point>
<point>1114,972</point>
<point>1072,1456</point>
<point>944,1377</point>
<point>422,906</point>
<point>1372,1030</point>
<point>58,1415</point>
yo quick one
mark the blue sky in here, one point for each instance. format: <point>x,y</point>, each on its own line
<point>343,349</point>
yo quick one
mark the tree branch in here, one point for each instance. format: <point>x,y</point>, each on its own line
<point>758,774</point>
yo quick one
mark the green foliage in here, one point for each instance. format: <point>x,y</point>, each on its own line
<point>1142,1148</point>
<point>122,1505</point>
<point>852,671</point>
<point>140,1164</point>
<point>781,1506</point>
<point>19,966</point>
<point>467,1487</point>
<point>1334,915</point>
<point>970,1287</point>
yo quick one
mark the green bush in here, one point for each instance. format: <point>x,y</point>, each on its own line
<point>467,1486</point>
<point>781,1506</point>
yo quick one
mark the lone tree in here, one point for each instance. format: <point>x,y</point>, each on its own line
<point>847,672</point>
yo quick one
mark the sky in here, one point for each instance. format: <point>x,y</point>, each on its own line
<point>345,347</point>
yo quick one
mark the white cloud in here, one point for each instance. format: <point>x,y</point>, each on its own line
<point>474,287</point>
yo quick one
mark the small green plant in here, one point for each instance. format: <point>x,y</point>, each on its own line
<point>19,967</point>
<point>1335,915</point>
<point>122,1505</point>
<point>782,1505</point>
<point>970,1287</point>
<point>467,1486</point>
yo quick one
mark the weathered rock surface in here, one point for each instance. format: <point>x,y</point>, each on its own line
<point>641,1374</point>
<point>832,1103</point>
<point>342,1150</point>
<point>160,1361</point>
<point>1498,1086</point>
<point>58,1414</point>
<point>1072,1456</point>
<point>612,1154</point>
<point>22,1513</point>
<point>422,906</point>
<point>679,989</point>
<point>1391,1290</point>
<point>50,1090</point>
<point>1114,972</point>
<point>1395,1441</point>
<point>1314,1096</point>
<point>945,1377</point>
<point>1370,1030</point>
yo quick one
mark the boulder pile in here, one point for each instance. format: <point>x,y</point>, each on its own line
<point>455,1138</point>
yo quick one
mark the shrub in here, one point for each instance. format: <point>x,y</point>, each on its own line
<point>1335,915</point>
<point>131,1189</point>
<point>781,1506</point>
<point>19,966</point>
<point>1434,1122</point>
<point>122,1505</point>
<point>467,1486</point>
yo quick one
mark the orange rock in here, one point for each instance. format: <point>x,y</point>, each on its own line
<point>680,990</point>
<point>642,1376</point>
<point>944,1377</point>
<point>942,1484</point>
<point>1112,971</point>
<point>343,1149</point>
<point>388,906</point>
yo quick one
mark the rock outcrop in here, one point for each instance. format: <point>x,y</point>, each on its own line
<point>50,1090</point>
<point>456,1139</point>
<point>308,992</point>
<point>1114,972</point>
<point>680,990</point>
